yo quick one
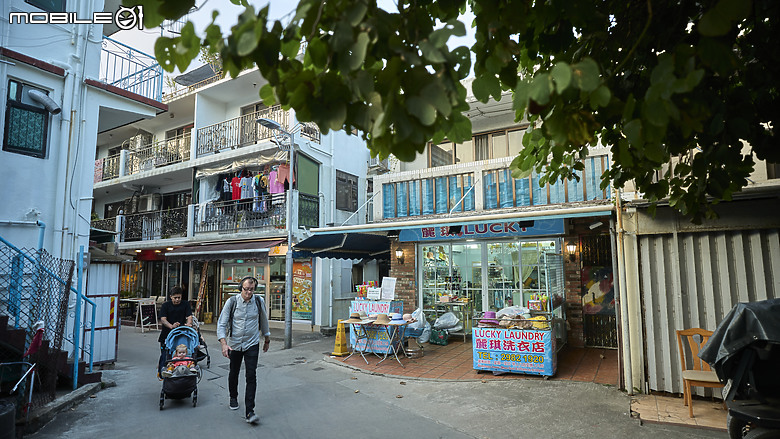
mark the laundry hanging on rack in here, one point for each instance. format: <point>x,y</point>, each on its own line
<point>274,186</point>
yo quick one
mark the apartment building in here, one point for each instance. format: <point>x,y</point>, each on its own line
<point>199,195</point>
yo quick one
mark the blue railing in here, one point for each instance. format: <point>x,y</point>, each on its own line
<point>452,189</point>
<point>130,69</point>
<point>17,307</point>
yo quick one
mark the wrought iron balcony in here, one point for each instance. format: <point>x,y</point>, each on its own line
<point>162,224</point>
<point>240,131</point>
<point>107,168</point>
<point>130,69</point>
<point>484,185</point>
<point>161,153</point>
<point>108,224</point>
<point>237,216</point>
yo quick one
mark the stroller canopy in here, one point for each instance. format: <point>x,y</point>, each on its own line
<point>744,325</point>
<point>185,335</point>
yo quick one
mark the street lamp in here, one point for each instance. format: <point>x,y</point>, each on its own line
<point>276,126</point>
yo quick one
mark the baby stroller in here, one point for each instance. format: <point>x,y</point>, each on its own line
<point>181,375</point>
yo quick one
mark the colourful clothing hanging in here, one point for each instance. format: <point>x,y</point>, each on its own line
<point>274,186</point>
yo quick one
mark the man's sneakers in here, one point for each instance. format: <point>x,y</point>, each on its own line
<point>252,418</point>
<point>233,403</point>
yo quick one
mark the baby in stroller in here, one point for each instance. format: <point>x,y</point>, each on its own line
<point>180,363</point>
<point>181,372</point>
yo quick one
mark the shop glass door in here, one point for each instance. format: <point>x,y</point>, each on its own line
<point>467,260</point>
<point>435,268</point>
<point>502,275</point>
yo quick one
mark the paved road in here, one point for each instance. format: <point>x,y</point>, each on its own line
<point>303,394</point>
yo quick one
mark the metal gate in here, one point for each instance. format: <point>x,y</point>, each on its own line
<point>103,289</point>
<point>692,280</point>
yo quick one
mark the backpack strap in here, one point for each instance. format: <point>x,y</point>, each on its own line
<point>234,303</point>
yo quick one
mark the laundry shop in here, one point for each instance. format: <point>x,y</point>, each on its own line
<point>513,281</point>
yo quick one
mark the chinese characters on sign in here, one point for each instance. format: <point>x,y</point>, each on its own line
<point>539,227</point>
<point>510,350</point>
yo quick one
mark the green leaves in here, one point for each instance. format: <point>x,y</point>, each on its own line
<point>562,75</point>
<point>177,52</point>
<point>719,20</point>
<point>586,74</point>
<point>649,81</point>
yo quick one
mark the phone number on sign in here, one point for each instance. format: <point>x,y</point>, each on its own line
<point>518,358</point>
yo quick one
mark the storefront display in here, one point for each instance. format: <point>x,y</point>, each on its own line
<point>378,339</point>
<point>233,270</point>
<point>514,350</point>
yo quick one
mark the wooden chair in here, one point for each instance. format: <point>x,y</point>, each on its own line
<point>700,375</point>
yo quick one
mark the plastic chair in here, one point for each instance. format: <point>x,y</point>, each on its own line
<point>700,374</point>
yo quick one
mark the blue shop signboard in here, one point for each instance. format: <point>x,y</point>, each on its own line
<point>539,227</point>
<point>514,350</point>
<point>378,340</point>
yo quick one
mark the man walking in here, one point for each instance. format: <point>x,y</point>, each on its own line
<point>240,324</point>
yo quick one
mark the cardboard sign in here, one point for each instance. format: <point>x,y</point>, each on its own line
<point>373,293</point>
<point>388,288</point>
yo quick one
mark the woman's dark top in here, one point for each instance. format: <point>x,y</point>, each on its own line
<point>174,313</point>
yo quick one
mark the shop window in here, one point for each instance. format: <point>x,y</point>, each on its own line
<point>48,5</point>
<point>346,191</point>
<point>26,124</point>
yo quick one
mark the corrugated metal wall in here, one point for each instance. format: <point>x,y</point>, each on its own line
<point>694,279</point>
<point>103,289</point>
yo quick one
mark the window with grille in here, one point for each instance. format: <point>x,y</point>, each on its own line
<point>26,125</point>
<point>346,191</point>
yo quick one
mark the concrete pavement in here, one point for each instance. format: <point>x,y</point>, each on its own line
<point>304,394</point>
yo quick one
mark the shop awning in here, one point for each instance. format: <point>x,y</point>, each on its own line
<point>344,246</point>
<point>600,208</point>
<point>213,252</point>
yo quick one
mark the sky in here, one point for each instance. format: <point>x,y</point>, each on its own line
<point>143,40</point>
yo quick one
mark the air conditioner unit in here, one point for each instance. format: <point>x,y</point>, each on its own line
<point>374,162</point>
<point>149,202</point>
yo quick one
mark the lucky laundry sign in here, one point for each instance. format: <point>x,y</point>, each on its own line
<point>486,230</point>
<point>511,350</point>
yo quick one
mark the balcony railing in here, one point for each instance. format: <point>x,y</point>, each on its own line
<point>148,226</point>
<point>241,215</point>
<point>454,188</point>
<point>240,131</point>
<point>160,153</point>
<point>108,224</point>
<point>308,210</point>
<point>130,69</point>
<point>107,168</point>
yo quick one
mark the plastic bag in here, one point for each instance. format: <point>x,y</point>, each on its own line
<point>511,311</point>
<point>439,337</point>
<point>426,334</point>
<point>446,321</point>
<point>456,328</point>
<point>420,317</point>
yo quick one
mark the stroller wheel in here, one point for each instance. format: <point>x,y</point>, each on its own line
<point>162,399</point>
<point>195,398</point>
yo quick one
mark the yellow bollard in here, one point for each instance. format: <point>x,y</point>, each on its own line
<point>340,349</point>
